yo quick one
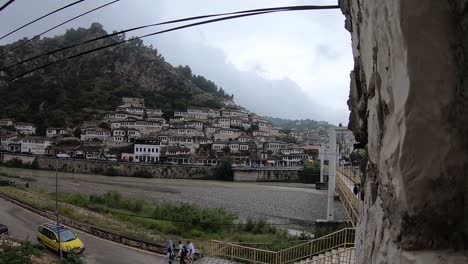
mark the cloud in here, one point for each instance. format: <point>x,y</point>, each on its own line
<point>284,64</point>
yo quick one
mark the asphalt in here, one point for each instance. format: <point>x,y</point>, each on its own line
<point>22,224</point>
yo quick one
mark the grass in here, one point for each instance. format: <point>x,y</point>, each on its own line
<point>14,176</point>
<point>149,219</point>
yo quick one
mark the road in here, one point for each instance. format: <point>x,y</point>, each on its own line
<point>22,225</point>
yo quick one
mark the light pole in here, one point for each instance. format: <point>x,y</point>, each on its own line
<point>331,175</point>
<point>56,205</point>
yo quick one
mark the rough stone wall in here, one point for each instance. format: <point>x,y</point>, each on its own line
<point>409,109</point>
<point>266,175</point>
<point>122,168</point>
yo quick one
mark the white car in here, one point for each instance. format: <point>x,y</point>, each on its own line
<point>62,155</point>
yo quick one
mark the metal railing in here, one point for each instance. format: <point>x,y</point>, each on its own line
<point>351,173</point>
<point>345,256</point>
<point>349,200</point>
<point>340,239</point>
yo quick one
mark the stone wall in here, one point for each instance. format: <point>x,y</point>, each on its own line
<point>265,175</point>
<point>121,168</point>
<point>409,109</point>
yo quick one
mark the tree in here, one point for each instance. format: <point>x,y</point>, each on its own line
<point>311,172</point>
<point>77,132</point>
<point>224,171</point>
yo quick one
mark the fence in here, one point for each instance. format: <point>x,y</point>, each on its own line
<point>347,255</point>
<point>341,239</point>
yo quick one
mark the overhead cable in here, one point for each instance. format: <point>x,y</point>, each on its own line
<point>147,35</point>
<point>251,12</point>
<point>54,27</point>
<point>44,16</point>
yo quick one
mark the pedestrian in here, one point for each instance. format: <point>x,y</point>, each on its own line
<point>191,251</point>
<point>356,189</point>
<point>182,254</point>
<point>170,252</point>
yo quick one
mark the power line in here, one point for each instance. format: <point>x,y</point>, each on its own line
<point>152,34</point>
<point>275,9</point>
<point>61,24</point>
<point>6,4</point>
<point>44,16</point>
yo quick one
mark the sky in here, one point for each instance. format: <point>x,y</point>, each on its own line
<point>292,65</point>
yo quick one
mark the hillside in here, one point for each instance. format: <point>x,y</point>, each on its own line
<point>70,92</point>
<point>299,125</point>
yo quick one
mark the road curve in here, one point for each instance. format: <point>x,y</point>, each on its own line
<point>22,225</point>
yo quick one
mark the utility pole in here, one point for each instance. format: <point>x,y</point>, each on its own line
<point>321,157</point>
<point>331,174</point>
<point>56,205</point>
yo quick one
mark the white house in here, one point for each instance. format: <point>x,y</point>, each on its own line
<point>5,140</point>
<point>35,145</point>
<point>6,122</point>
<point>57,131</point>
<point>95,133</point>
<point>25,128</point>
<point>147,150</point>
<point>226,134</point>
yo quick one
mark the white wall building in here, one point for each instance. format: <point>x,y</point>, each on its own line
<point>35,145</point>
<point>147,150</point>
<point>25,128</point>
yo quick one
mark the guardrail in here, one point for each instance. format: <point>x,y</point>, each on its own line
<point>348,199</point>
<point>343,238</point>
<point>346,256</point>
<point>350,174</point>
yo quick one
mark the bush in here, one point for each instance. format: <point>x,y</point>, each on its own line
<point>311,173</point>
<point>142,173</point>
<point>72,258</point>
<point>111,171</point>
<point>14,254</point>
<point>18,163</point>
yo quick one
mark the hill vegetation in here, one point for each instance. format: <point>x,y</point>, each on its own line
<point>299,125</point>
<point>83,88</point>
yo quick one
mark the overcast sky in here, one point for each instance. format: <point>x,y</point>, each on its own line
<point>291,65</point>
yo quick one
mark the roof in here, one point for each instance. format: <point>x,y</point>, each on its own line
<point>25,124</point>
<point>174,148</point>
<point>57,128</point>
<point>311,147</point>
<point>37,138</point>
<point>8,136</point>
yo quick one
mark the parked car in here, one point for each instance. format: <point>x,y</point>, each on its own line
<point>63,155</point>
<point>3,229</point>
<point>48,234</point>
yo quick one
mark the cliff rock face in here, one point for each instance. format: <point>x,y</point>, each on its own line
<point>409,108</point>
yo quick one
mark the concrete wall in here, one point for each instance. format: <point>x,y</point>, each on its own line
<point>263,175</point>
<point>123,168</point>
<point>409,108</point>
<point>26,159</point>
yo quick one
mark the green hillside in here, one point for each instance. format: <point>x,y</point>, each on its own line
<point>70,92</point>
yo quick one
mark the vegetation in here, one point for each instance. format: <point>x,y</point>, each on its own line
<point>286,139</point>
<point>311,172</point>
<point>14,176</point>
<point>223,171</point>
<point>17,163</point>
<point>300,125</point>
<point>19,253</point>
<point>143,173</point>
<point>156,220</point>
<point>70,92</point>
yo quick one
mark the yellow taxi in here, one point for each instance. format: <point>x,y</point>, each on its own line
<point>48,234</point>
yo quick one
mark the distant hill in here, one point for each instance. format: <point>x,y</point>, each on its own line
<point>299,125</point>
<point>73,91</point>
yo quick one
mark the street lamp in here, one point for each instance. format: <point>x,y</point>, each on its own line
<point>56,204</point>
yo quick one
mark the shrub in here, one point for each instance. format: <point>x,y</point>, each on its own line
<point>72,258</point>
<point>18,254</point>
<point>311,172</point>
<point>111,171</point>
<point>142,173</point>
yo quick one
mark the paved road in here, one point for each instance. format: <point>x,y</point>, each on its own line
<point>23,223</point>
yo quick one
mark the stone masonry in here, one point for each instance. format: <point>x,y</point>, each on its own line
<point>409,110</point>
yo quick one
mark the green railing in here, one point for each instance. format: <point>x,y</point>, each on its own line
<point>349,200</point>
<point>341,239</point>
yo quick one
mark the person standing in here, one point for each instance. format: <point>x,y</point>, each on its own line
<point>182,252</point>
<point>191,251</point>
<point>170,252</point>
<point>356,189</point>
